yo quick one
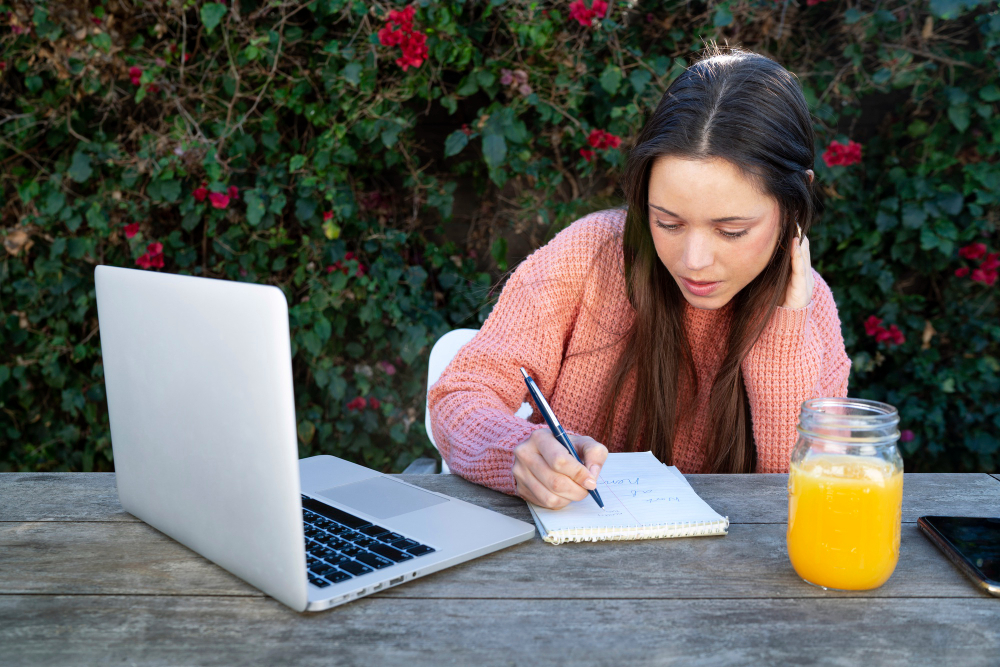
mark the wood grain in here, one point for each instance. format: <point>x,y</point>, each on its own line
<point>743,498</point>
<point>113,558</point>
<point>151,631</point>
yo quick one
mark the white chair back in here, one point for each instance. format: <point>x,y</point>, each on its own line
<point>444,350</point>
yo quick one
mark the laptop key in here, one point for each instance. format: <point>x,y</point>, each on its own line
<point>405,544</point>
<point>388,552</point>
<point>318,583</point>
<point>374,530</point>
<point>338,576</point>
<point>355,568</point>
<point>371,559</point>
<point>367,542</point>
<point>351,551</point>
<point>338,560</point>
<point>323,570</point>
<point>420,550</point>
<point>389,538</point>
<point>335,514</point>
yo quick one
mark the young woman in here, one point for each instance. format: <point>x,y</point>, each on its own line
<point>690,323</point>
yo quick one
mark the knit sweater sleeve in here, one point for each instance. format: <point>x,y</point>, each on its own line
<point>800,355</point>
<point>472,405</point>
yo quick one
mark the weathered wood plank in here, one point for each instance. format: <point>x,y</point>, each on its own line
<point>60,497</point>
<point>82,630</point>
<point>115,558</point>
<point>743,498</point>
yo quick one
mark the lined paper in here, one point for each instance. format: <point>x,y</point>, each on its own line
<point>639,494</point>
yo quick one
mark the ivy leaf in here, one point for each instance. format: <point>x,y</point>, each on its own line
<point>211,15</point>
<point>914,215</point>
<point>455,142</point>
<point>959,117</point>
<point>639,78</point>
<point>390,134</point>
<point>352,72</point>
<point>494,149</point>
<point>990,93</point>
<point>80,169</point>
<point>255,207</point>
<point>611,79</point>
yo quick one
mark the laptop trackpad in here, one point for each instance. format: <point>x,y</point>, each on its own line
<point>382,497</point>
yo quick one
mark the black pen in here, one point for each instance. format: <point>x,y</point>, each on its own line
<point>557,430</point>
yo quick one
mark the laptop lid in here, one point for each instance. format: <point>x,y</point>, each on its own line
<point>201,406</point>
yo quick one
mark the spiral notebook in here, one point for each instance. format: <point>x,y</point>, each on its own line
<point>643,499</point>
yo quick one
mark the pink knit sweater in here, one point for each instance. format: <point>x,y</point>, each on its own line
<point>561,315</point>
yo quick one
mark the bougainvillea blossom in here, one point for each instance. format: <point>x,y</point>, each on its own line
<point>586,155</point>
<point>840,155</point>
<point>601,139</point>
<point>200,193</point>
<point>873,327</point>
<point>585,15</point>
<point>218,199</point>
<point>972,251</point>
<point>131,230</point>
<point>135,74</point>
<point>233,192</point>
<point>398,31</point>
<point>152,258</point>
<point>374,403</point>
<point>358,403</point>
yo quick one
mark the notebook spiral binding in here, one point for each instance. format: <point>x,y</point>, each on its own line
<point>685,529</point>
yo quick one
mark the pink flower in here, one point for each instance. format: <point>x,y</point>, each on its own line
<point>972,251</point>
<point>580,12</point>
<point>414,50</point>
<point>896,336</point>
<point>152,258</point>
<point>327,216</point>
<point>233,192</point>
<point>991,262</point>
<point>586,155</point>
<point>962,272</point>
<point>387,367</point>
<point>984,276</point>
<point>200,193</point>
<point>872,325</point>
<point>600,139</point>
<point>135,73</point>
<point>358,403</point>
<point>839,155</point>
<point>131,230</point>
<point>524,89</point>
<point>398,31</point>
<point>906,435</point>
<point>361,270</point>
<point>374,403</point>
<point>218,199</point>
<point>506,77</point>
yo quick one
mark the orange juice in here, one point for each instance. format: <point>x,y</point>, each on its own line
<point>844,516</point>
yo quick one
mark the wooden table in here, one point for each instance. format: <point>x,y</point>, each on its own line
<point>82,582</point>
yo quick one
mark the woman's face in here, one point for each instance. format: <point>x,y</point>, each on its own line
<point>711,229</point>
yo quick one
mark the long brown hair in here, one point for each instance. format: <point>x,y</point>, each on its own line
<point>748,110</point>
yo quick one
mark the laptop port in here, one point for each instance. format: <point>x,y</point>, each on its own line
<point>376,587</point>
<point>397,580</point>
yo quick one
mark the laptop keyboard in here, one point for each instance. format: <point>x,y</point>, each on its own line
<point>340,546</point>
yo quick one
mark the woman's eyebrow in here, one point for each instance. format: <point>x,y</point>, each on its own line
<point>730,218</point>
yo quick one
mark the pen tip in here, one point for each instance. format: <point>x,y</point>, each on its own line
<point>524,373</point>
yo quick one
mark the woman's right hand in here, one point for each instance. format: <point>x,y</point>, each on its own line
<point>548,475</point>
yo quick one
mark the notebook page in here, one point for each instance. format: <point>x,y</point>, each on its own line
<point>637,490</point>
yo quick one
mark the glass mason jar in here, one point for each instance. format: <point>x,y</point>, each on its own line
<point>845,494</point>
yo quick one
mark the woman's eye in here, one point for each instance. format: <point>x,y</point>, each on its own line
<point>732,235</point>
<point>667,225</point>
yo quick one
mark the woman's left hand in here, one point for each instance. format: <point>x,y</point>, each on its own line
<point>800,284</point>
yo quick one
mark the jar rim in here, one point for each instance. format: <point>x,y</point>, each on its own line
<point>868,423</point>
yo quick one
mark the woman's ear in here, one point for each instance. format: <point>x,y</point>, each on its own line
<point>811,174</point>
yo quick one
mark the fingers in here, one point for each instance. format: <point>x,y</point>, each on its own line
<point>593,453</point>
<point>529,488</point>
<point>564,464</point>
<point>796,258</point>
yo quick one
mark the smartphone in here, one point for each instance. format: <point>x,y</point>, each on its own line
<point>972,543</point>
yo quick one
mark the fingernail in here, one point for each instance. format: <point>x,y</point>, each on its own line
<point>590,484</point>
<point>595,470</point>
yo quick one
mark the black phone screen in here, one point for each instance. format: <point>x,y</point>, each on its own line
<point>978,540</point>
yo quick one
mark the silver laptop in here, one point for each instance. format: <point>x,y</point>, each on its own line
<point>202,412</point>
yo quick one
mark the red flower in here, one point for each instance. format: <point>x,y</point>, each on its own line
<point>601,139</point>
<point>984,276</point>
<point>95,20</point>
<point>348,256</point>
<point>583,14</point>
<point>896,336</point>
<point>135,73</point>
<point>361,270</point>
<point>839,155</point>
<point>465,129</point>
<point>200,193</point>
<point>906,435</point>
<point>374,403</point>
<point>152,88</point>
<point>387,367</point>
<point>327,216</point>
<point>152,258</point>
<point>872,325</point>
<point>131,230</point>
<point>586,155</point>
<point>358,403</point>
<point>389,37</point>
<point>972,251</point>
<point>218,199</point>
<point>414,50</point>
<point>991,262</point>
<point>962,272</point>
<point>398,31</point>
<point>233,192</point>
<point>187,57</point>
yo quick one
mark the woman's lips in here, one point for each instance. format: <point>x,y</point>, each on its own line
<point>699,289</point>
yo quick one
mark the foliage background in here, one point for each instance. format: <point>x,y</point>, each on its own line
<point>435,177</point>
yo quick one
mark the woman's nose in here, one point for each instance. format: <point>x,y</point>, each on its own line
<point>698,252</point>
